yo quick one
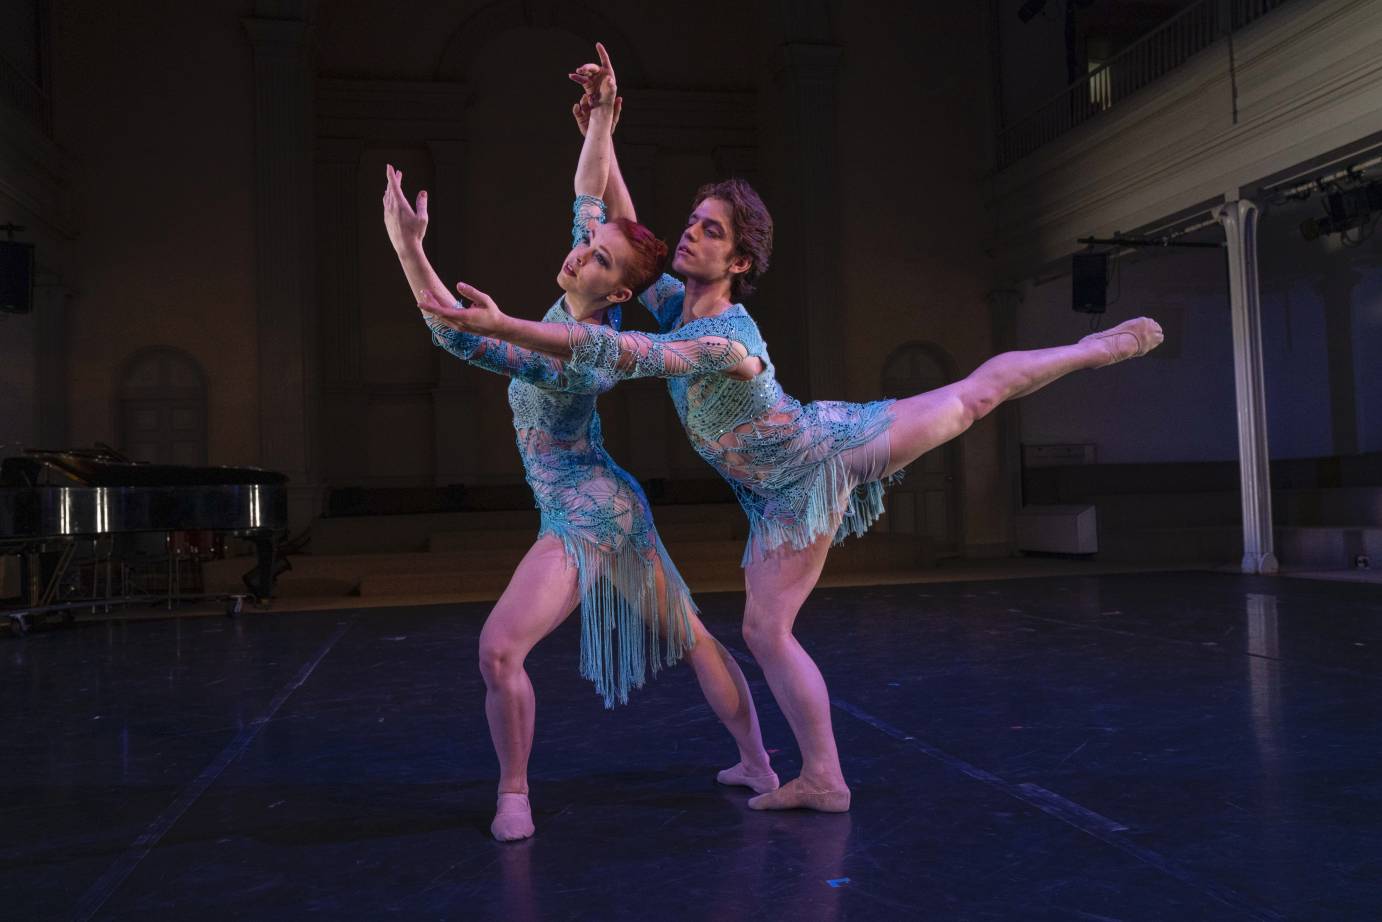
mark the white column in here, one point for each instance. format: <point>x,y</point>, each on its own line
<point>1239,219</point>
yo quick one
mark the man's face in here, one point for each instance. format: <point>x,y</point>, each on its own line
<point>706,249</point>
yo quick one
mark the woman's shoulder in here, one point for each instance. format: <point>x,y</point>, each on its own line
<point>558,313</point>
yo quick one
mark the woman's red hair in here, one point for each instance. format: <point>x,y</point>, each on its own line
<point>649,255</point>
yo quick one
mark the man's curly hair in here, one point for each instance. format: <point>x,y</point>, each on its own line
<point>753,229</point>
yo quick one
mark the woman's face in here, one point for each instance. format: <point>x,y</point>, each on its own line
<point>594,271</point>
<point>705,251</point>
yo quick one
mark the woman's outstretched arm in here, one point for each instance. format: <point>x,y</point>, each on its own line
<point>406,227</point>
<point>501,357</point>
<point>601,350</point>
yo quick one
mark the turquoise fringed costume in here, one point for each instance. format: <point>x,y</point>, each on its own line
<point>630,625</point>
<point>799,470</point>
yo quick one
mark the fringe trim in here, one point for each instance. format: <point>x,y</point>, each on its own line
<point>628,630</point>
<point>823,513</point>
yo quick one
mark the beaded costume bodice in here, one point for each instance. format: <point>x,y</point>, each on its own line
<point>556,427</point>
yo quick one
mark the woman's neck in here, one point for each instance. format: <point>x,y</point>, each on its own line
<point>587,312</point>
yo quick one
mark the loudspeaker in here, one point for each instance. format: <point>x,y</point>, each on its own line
<point>1089,282</point>
<point>16,277</point>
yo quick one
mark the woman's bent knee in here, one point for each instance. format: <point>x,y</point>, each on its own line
<point>499,662</point>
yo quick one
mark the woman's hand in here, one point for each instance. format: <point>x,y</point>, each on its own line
<point>406,225</point>
<point>482,317</point>
<point>581,112</point>
<point>598,80</point>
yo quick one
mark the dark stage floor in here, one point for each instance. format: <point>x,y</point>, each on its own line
<point>1183,746</point>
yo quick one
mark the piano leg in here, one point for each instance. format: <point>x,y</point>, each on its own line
<point>260,580</point>
<point>33,576</point>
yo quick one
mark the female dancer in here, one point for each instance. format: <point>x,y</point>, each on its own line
<point>806,475</point>
<point>596,545</point>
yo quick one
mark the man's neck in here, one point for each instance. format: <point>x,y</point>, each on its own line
<point>705,299</point>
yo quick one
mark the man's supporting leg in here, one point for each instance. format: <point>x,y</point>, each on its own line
<point>777,586</point>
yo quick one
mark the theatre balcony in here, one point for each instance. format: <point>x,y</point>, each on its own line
<point>1207,105</point>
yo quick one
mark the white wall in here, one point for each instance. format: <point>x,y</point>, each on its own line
<point>1178,404</point>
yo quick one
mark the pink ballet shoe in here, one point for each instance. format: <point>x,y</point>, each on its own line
<point>794,795</point>
<point>1142,334</point>
<point>739,776</point>
<point>513,818</point>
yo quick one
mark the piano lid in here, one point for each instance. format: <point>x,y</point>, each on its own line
<point>103,468</point>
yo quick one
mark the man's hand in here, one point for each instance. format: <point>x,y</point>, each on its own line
<point>598,80</point>
<point>406,225</point>
<point>482,317</point>
<point>581,112</point>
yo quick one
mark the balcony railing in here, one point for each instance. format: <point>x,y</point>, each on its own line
<point>1155,54</point>
<point>26,96</point>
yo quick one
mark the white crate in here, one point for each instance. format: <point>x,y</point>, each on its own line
<point>1065,529</point>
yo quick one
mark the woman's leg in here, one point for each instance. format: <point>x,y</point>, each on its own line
<point>541,594</point>
<point>725,689</point>
<point>777,586</point>
<point>925,421</point>
<point>727,692</point>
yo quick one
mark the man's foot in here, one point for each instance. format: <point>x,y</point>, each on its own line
<point>762,783</point>
<point>513,818</point>
<point>796,795</point>
<point>1128,340</point>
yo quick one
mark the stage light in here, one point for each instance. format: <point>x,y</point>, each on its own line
<point>1346,209</point>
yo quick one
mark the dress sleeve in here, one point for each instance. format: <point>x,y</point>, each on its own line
<point>586,210</point>
<point>621,356</point>
<point>663,299</point>
<point>500,357</point>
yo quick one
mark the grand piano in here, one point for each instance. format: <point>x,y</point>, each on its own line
<point>52,500</point>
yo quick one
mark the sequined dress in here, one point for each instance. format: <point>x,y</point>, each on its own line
<point>799,471</point>
<point>634,603</point>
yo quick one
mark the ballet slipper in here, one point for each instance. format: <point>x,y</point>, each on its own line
<point>739,775</point>
<point>513,818</point>
<point>794,795</point>
<point>1130,339</point>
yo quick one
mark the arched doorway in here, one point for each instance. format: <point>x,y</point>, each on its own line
<point>927,501</point>
<point>162,407</point>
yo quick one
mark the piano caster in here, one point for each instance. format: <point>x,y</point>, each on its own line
<point>19,625</point>
<point>234,605</point>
